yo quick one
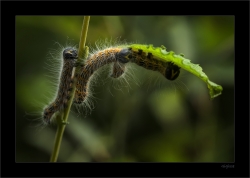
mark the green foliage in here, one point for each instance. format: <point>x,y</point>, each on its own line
<point>160,53</point>
<point>129,123</point>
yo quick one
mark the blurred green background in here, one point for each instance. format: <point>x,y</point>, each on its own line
<point>155,120</point>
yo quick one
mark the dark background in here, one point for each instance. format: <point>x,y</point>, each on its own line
<point>155,120</point>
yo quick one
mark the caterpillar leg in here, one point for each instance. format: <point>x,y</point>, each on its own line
<point>118,70</point>
<point>48,112</point>
<point>80,96</point>
<point>172,71</point>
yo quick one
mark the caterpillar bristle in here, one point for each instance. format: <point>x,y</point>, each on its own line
<point>116,55</point>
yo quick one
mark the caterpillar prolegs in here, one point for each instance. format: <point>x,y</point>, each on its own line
<point>118,70</point>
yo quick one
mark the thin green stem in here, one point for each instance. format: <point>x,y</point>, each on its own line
<point>83,35</point>
<point>62,118</point>
<point>58,139</point>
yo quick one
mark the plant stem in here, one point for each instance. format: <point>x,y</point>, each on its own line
<point>83,35</point>
<point>58,139</point>
<point>62,118</point>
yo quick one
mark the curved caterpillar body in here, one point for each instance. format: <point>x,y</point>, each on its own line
<point>92,64</point>
<point>65,85</point>
<point>120,56</point>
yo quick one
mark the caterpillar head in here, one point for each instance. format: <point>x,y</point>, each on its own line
<point>124,55</point>
<point>172,71</point>
<point>69,53</point>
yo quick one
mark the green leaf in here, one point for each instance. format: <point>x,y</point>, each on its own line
<point>161,54</point>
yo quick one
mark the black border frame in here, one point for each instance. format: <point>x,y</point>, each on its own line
<point>9,9</point>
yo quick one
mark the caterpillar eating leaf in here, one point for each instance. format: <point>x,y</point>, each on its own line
<point>155,55</point>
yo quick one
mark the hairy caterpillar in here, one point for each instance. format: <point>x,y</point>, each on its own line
<point>156,59</point>
<point>119,56</point>
<point>93,63</point>
<point>147,56</point>
<point>65,85</point>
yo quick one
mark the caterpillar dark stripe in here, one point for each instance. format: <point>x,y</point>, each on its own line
<point>148,61</point>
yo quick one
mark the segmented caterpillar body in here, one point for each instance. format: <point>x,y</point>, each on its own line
<point>120,56</point>
<point>92,64</point>
<point>65,85</point>
<point>150,62</point>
